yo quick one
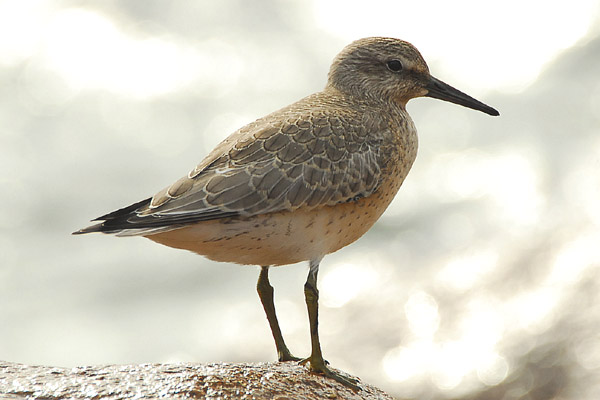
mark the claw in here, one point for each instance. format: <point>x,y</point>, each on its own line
<point>349,382</point>
<point>321,368</point>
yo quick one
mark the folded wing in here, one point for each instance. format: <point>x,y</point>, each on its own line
<point>277,163</point>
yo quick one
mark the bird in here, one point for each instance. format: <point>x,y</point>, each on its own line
<point>301,182</point>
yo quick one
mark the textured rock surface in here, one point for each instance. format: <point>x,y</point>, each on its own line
<point>191,381</point>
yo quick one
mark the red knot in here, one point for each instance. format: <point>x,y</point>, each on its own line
<point>301,182</point>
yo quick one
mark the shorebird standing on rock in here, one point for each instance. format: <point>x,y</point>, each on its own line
<point>301,182</point>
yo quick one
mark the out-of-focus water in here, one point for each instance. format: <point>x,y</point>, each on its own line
<point>480,281</point>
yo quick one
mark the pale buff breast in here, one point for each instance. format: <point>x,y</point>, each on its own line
<point>285,237</point>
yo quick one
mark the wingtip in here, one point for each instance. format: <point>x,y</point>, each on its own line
<point>89,229</point>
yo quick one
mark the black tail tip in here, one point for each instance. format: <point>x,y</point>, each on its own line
<point>89,229</point>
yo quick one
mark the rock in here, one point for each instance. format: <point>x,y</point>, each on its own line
<point>176,381</point>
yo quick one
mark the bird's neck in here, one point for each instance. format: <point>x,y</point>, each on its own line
<point>364,98</point>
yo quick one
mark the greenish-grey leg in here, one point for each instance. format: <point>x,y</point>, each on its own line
<point>316,361</point>
<point>265,292</point>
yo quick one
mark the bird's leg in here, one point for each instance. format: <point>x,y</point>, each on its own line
<point>265,292</point>
<point>316,361</point>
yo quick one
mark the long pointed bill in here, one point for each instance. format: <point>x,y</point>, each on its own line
<point>440,90</point>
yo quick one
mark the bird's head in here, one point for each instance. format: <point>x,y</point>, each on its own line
<point>392,70</point>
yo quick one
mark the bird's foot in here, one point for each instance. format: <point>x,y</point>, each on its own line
<point>304,361</point>
<point>320,367</point>
<point>283,356</point>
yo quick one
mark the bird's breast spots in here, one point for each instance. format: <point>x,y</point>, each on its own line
<point>216,239</point>
<point>229,221</point>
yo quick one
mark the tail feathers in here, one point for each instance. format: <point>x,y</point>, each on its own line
<point>124,212</point>
<point>115,221</point>
<point>89,229</point>
<point>132,221</point>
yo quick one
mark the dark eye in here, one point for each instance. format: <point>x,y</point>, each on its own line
<point>394,65</point>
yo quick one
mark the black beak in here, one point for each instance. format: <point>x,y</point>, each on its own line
<point>440,90</point>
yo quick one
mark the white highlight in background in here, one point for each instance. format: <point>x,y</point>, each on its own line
<point>343,282</point>
<point>89,51</point>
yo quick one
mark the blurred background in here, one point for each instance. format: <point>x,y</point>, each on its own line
<point>481,281</point>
